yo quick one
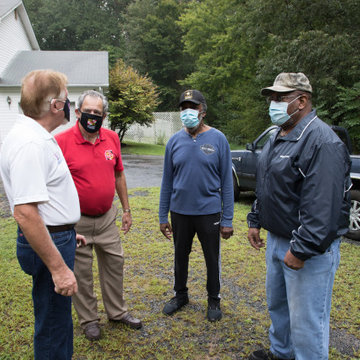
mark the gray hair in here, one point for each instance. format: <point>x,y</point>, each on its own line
<point>95,94</point>
<point>204,107</point>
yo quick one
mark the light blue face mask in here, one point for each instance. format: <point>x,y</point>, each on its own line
<point>190,118</point>
<point>278,112</point>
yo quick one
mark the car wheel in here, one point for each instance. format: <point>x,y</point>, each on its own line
<point>354,227</point>
<point>236,189</point>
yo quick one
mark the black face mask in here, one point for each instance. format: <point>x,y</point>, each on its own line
<point>91,122</point>
<point>67,109</point>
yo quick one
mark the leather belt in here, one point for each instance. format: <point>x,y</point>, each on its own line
<point>92,216</point>
<point>59,228</point>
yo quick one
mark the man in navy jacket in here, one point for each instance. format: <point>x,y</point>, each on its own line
<point>303,200</point>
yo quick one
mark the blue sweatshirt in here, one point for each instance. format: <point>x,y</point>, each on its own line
<point>197,177</point>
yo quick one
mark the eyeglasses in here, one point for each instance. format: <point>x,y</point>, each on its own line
<point>280,98</point>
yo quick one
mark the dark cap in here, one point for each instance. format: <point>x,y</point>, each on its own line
<point>194,96</point>
<point>286,82</point>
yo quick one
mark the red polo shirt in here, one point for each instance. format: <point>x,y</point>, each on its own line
<point>92,167</point>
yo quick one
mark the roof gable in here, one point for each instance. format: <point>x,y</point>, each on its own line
<point>8,6</point>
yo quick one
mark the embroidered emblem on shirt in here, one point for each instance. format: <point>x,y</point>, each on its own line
<point>109,155</point>
<point>207,149</point>
<point>57,157</point>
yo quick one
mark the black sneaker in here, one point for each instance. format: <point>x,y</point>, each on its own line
<point>264,355</point>
<point>214,312</point>
<point>175,304</point>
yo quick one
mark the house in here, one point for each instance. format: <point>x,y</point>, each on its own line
<point>20,53</point>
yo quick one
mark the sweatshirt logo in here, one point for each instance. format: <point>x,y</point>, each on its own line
<point>207,149</point>
<point>109,155</point>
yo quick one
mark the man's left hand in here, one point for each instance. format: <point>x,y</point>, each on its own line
<point>226,232</point>
<point>80,240</point>
<point>126,222</point>
<point>292,261</point>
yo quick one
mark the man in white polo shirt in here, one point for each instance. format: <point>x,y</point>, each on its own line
<point>45,204</point>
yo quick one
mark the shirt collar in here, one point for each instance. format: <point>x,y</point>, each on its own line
<point>35,126</point>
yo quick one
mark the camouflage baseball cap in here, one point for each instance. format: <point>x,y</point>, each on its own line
<point>286,82</point>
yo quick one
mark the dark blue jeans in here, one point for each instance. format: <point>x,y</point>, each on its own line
<point>53,337</point>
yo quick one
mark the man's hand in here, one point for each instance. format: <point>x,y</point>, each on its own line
<point>254,238</point>
<point>226,232</point>
<point>292,261</point>
<point>126,222</point>
<point>166,230</point>
<point>80,240</point>
<point>65,282</point>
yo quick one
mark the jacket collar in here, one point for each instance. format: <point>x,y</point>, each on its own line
<point>300,128</point>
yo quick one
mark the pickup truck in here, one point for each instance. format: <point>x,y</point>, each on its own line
<point>244,173</point>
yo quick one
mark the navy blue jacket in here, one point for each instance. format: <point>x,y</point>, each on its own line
<point>302,187</point>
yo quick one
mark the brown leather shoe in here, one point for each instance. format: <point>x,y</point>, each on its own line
<point>129,320</point>
<point>92,332</point>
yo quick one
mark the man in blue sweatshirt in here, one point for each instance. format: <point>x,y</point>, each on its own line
<point>197,190</point>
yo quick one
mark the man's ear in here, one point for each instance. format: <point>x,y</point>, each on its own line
<point>77,113</point>
<point>53,108</point>
<point>303,102</point>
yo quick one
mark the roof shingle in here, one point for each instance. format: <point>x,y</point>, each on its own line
<point>83,68</point>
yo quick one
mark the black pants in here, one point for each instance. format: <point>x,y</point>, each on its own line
<point>207,228</point>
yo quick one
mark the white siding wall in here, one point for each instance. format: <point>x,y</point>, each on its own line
<point>13,38</point>
<point>8,113</point>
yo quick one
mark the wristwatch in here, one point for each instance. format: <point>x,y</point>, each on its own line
<point>126,210</point>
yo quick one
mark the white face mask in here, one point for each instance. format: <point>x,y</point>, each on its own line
<point>278,112</point>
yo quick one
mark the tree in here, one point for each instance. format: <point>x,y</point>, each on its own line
<point>224,66</point>
<point>132,98</point>
<point>240,46</point>
<point>299,39</point>
<point>154,46</point>
<point>348,110</point>
<point>79,24</point>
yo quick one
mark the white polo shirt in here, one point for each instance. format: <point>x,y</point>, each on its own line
<point>33,169</point>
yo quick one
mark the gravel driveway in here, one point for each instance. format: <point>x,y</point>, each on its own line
<point>143,171</point>
<point>140,171</point>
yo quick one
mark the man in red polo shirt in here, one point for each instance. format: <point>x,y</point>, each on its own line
<point>94,158</point>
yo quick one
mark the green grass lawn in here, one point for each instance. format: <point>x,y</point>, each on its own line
<point>129,147</point>
<point>148,285</point>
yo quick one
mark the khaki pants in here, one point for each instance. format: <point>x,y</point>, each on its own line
<point>102,234</point>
